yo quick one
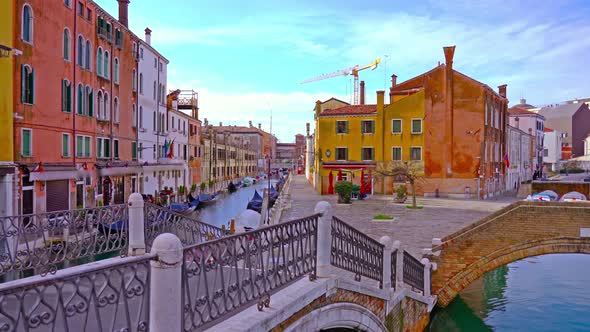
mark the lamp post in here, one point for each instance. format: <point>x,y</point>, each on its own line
<point>268,193</point>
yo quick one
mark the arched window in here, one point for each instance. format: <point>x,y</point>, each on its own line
<point>141,83</point>
<point>66,44</point>
<point>116,70</point>
<point>89,101</point>
<point>27,25</point>
<point>116,110</point>
<point>88,50</point>
<point>107,106</point>
<point>27,84</point>
<point>134,80</point>
<point>106,64</point>
<point>99,62</point>
<point>100,104</point>
<point>80,99</point>
<point>80,51</point>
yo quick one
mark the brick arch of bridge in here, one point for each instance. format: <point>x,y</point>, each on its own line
<point>339,315</point>
<point>518,231</point>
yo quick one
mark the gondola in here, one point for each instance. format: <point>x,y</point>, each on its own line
<point>184,208</point>
<point>208,199</point>
<point>239,184</point>
<point>247,181</point>
<point>255,203</point>
<point>231,188</point>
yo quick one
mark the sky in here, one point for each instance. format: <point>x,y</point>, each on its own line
<point>246,59</point>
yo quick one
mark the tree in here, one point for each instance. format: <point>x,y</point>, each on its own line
<point>407,171</point>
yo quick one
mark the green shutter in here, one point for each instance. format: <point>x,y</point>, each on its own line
<point>80,96</point>
<point>87,147</point>
<point>99,147</point>
<point>134,150</point>
<point>107,148</point>
<point>116,149</point>
<point>63,95</point>
<point>79,146</point>
<point>65,145</point>
<point>69,98</point>
<point>26,143</point>
<point>32,87</point>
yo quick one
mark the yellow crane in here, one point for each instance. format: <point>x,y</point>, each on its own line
<point>354,71</point>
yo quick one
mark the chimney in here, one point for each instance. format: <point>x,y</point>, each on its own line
<point>123,12</point>
<point>259,126</point>
<point>250,123</point>
<point>393,84</point>
<point>220,124</point>
<point>522,101</point>
<point>148,36</point>
<point>362,99</point>
<point>307,128</point>
<point>206,122</point>
<point>448,113</point>
<point>380,101</point>
<point>502,90</point>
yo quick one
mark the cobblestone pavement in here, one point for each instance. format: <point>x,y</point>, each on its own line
<point>413,228</point>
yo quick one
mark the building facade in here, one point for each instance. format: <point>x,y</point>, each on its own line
<point>521,156</point>
<point>552,143</point>
<point>441,105</point>
<point>533,124</point>
<point>573,120</point>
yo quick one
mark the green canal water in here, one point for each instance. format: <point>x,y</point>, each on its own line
<point>543,293</point>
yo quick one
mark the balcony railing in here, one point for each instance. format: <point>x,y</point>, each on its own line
<point>356,252</point>
<point>223,276</point>
<point>104,33</point>
<point>413,272</point>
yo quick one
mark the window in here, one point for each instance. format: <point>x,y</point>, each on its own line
<point>27,84</point>
<point>367,153</point>
<point>116,71</point>
<point>140,117</point>
<point>99,62</point>
<point>88,50</point>
<point>133,151</point>
<point>140,151</point>
<point>396,153</point>
<point>27,25</point>
<point>116,148</point>
<point>141,83</point>
<point>88,14</point>
<point>80,51</point>
<point>116,110</point>
<point>66,96</point>
<point>118,38</point>
<point>396,126</point>
<point>68,3</point>
<point>172,122</point>
<point>341,127</point>
<point>133,116</point>
<point>66,44</point>
<point>103,148</point>
<point>26,142</point>
<point>545,152</point>
<point>154,90</point>
<point>141,52</point>
<point>80,99</point>
<point>80,9</point>
<point>415,153</point>
<point>107,107</point>
<point>155,63</point>
<point>106,65</point>
<point>134,80</point>
<point>160,67</point>
<point>416,126</point>
<point>65,145</point>
<point>88,108</point>
<point>341,153</point>
<point>368,126</point>
<point>100,104</point>
<point>154,123</point>
<point>79,146</point>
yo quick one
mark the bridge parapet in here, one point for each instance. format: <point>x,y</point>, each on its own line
<point>520,230</point>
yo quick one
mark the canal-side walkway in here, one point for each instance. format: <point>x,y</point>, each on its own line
<point>413,228</point>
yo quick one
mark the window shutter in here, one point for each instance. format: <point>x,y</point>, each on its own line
<point>69,98</point>
<point>23,86</point>
<point>32,87</point>
<point>91,104</point>
<point>63,95</point>
<point>346,127</point>
<point>87,147</point>
<point>26,143</point>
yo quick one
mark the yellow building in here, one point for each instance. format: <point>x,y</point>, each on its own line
<point>351,138</point>
<point>7,168</point>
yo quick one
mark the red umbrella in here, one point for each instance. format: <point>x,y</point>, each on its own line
<point>339,175</point>
<point>331,183</point>
<point>362,188</point>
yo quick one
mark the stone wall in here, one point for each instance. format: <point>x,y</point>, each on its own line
<point>408,315</point>
<point>561,188</point>
<point>521,230</point>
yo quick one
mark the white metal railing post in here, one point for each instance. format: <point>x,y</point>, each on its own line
<point>136,226</point>
<point>166,284</point>
<point>387,249</point>
<point>324,238</point>
<point>399,265</point>
<point>427,268</point>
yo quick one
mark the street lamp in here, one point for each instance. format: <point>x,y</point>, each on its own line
<point>267,157</point>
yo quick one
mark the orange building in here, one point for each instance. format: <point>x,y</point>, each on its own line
<point>74,105</point>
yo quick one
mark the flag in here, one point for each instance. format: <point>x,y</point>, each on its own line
<point>165,147</point>
<point>171,149</point>
<point>39,168</point>
<point>506,161</point>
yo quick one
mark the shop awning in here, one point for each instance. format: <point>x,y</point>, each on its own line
<point>53,175</point>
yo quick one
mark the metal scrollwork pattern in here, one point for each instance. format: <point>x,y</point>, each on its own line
<point>48,241</point>
<point>413,272</point>
<point>113,298</point>
<point>190,231</point>
<point>223,276</point>
<point>393,267</point>
<point>356,252</point>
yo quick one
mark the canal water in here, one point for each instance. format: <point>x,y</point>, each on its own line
<point>230,205</point>
<point>543,293</point>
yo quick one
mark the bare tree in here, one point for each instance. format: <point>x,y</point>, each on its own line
<point>411,172</point>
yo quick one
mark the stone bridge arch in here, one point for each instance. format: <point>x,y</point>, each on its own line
<point>518,231</point>
<point>339,315</point>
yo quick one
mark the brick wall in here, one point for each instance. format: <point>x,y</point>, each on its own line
<point>562,188</point>
<point>408,315</point>
<point>520,230</point>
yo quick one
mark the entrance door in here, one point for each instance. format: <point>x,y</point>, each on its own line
<point>119,183</point>
<point>79,195</point>
<point>133,184</point>
<point>57,195</point>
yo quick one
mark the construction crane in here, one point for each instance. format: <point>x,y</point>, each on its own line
<point>354,71</point>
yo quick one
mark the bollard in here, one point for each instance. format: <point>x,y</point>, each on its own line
<point>427,268</point>
<point>136,226</point>
<point>166,284</point>
<point>232,226</point>
<point>324,240</point>
<point>387,248</point>
<point>399,266</point>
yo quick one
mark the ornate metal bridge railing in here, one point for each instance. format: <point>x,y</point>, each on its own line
<point>190,231</point>
<point>356,252</point>
<point>413,272</point>
<point>393,267</point>
<point>223,276</point>
<point>113,296</point>
<point>43,241</point>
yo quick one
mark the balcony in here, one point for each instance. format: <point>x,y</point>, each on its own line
<point>105,33</point>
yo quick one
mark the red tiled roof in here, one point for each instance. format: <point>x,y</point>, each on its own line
<point>520,111</point>
<point>351,110</point>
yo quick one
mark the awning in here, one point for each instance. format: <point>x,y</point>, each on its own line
<point>53,175</point>
<point>113,171</point>
<point>166,167</point>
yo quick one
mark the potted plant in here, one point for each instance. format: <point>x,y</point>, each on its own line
<point>203,186</point>
<point>211,183</point>
<point>181,190</point>
<point>344,191</point>
<point>401,194</point>
<point>193,187</point>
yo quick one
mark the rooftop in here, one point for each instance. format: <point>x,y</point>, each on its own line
<point>351,110</point>
<point>521,112</point>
